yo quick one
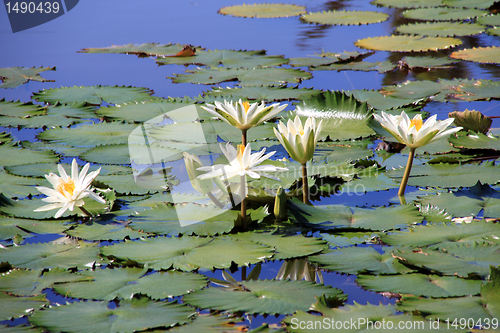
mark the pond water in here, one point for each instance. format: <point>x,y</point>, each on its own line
<point>97,24</point>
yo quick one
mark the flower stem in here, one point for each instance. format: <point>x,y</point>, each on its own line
<point>86,212</point>
<point>243,273</point>
<point>406,175</point>
<point>244,137</point>
<point>305,186</point>
<point>243,204</point>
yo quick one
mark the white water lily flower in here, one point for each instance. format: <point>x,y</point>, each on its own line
<point>241,163</point>
<point>299,141</point>
<point>414,132</point>
<point>244,115</point>
<point>68,192</point>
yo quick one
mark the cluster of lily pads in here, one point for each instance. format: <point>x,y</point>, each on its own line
<point>124,251</point>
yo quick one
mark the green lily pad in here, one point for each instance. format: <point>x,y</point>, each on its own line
<point>442,29</point>
<point>456,259</point>
<point>481,4</point>
<point>38,121</point>
<point>74,110</point>
<point>344,17</point>
<point>493,20</point>
<point>97,231</point>
<point>15,76</point>
<point>443,14</point>
<point>263,10</point>
<point>405,4</point>
<point>493,31</point>
<point>441,235</point>
<point>14,306</point>
<point>475,141</point>
<point>471,121</point>
<point>407,43</point>
<point>484,55</point>
<point>246,77</point>
<point>349,150</point>
<point>14,155</point>
<point>45,255</point>
<point>343,117</point>
<point>263,296</point>
<point>90,135</point>
<point>421,285</point>
<point>19,109</point>
<point>468,202</point>
<point>108,284</point>
<point>15,186</point>
<point>11,227</point>
<point>266,93</point>
<point>380,101</point>
<point>311,62</point>
<point>449,175</point>
<point>371,179</point>
<point>95,316</point>
<point>25,282</point>
<point>343,239</point>
<point>356,259</point>
<point>143,50</point>
<point>227,58</point>
<point>189,253</point>
<point>195,219</point>
<point>212,324</point>
<point>62,149</point>
<point>120,154</point>
<point>381,67</point>
<point>93,95</point>
<point>426,63</point>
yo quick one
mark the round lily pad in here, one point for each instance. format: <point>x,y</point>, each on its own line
<point>263,10</point>
<point>493,20</point>
<point>405,4</point>
<point>408,43</point>
<point>442,29</point>
<point>344,17</point>
<point>485,55</point>
<point>443,14</point>
<point>481,4</point>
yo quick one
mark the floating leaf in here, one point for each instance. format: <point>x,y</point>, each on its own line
<point>381,67</point>
<point>408,43</point>
<point>212,324</point>
<point>442,29</point>
<point>264,10</point>
<point>493,31</point>
<point>10,227</point>
<point>94,95</point>
<point>468,202</point>
<point>425,63</point>
<point>13,155</point>
<point>246,77</point>
<point>442,235</point>
<point>46,255</point>
<point>66,150</point>
<point>15,76</point>
<point>475,141</point>
<point>266,93</point>
<point>120,154</point>
<point>493,20</point>
<point>443,14</point>
<point>405,4</point>
<point>108,284</point>
<point>19,109</point>
<point>343,117</point>
<point>349,150</point>
<point>14,186</point>
<point>25,282</point>
<point>471,121</point>
<point>227,58</point>
<point>421,285</point>
<point>202,220</point>
<point>311,62</point>
<point>380,101</point>
<point>343,239</point>
<point>344,17</point>
<point>93,316</point>
<point>449,175</point>
<point>142,50</point>
<point>13,306</point>
<point>485,55</point>
<point>263,296</point>
<point>351,260</point>
<point>481,4</point>
<point>97,231</point>
<point>189,253</point>
<point>38,121</point>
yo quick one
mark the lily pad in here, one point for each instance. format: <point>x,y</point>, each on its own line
<point>343,117</point>
<point>266,93</point>
<point>95,316</point>
<point>471,121</point>
<point>10,227</point>
<point>25,282</point>
<point>97,231</point>
<point>246,77</point>
<point>381,67</point>
<point>475,141</point>
<point>14,155</point>
<point>469,202</point>
<point>19,109</point>
<point>263,296</point>
<point>15,186</point>
<point>14,306</point>
<point>356,259</point>
<point>425,63</point>
<point>264,10</point>
<point>407,43</point>
<point>142,50</point>
<point>493,20</point>
<point>344,17</point>
<point>15,76</point>
<point>405,4</point>
<point>441,235</point>
<point>481,4</point>
<point>189,253</point>
<point>484,55</point>
<point>93,95</point>
<point>212,324</point>
<point>227,58</point>
<point>442,29</point>
<point>421,285</point>
<point>38,121</point>
<point>443,14</point>
<point>124,283</point>
<point>380,101</point>
<point>349,150</point>
<point>120,154</point>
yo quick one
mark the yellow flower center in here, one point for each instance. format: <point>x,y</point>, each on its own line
<point>246,105</point>
<point>417,122</point>
<point>66,187</point>
<point>301,132</point>
<point>240,149</point>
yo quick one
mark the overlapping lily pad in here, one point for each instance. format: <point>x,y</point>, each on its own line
<point>405,4</point>
<point>381,101</point>
<point>263,296</point>
<point>15,155</point>
<point>14,306</point>
<point>381,67</point>
<point>267,93</point>
<point>481,4</point>
<point>443,14</point>
<point>19,109</point>
<point>414,63</point>
<point>408,43</point>
<point>485,55</point>
<point>263,10</point>
<point>110,231</point>
<point>344,17</point>
<point>493,20</point>
<point>10,227</point>
<point>147,49</point>
<point>442,29</point>
<point>475,141</point>
<point>15,76</point>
